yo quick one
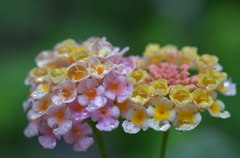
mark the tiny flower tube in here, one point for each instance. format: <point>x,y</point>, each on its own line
<point>202,98</point>
<point>207,82</point>
<point>152,53</point>
<point>39,74</point>
<point>41,106</point>
<point>188,54</point>
<point>137,76</point>
<point>217,110</point>
<point>159,88</point>
<point>66,48</point>
<point>99,67</point>
<point>58,75</point>
<point>180,95</point>
<point>187,117</point>
<point>140,94</point>
<point>83,56</point>
<point>161,112</point>
<point>78,71</point>
<point>44,58</point>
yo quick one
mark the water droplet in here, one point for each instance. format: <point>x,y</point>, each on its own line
<point>180,132</point>
<point>112,125</point>
<point>55,127</point>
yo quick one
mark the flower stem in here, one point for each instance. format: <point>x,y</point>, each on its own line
<point>164,144</point>
<point>99,140</point>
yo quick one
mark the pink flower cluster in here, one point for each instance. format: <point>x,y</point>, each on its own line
<point>74,82</point>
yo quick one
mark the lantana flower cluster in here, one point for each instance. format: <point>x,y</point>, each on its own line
<point>92,80</point>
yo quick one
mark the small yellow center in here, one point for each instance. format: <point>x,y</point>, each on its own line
<point>186,118</point>
<point>160,86</point>
<point>161,113</point>
<point>137,76</point>
<point>181,95</point>
<point>203,98</point>
<point>208,80</point>
<point>215,108</point>
<point>138,118</point>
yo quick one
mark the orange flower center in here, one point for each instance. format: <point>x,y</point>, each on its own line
<point>91,93</point>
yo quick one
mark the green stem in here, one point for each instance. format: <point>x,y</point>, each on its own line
<point>164,144</point>
<point>99,140</point>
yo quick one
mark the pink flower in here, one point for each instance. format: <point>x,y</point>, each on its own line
<point>59,119</point>
<point>92,94</point>
<point>123,65</point>
<point>48,140</point>
<point>78,111</point>
<point>107,117</point>
<point>27,104</point>
<point>32,128</point>
<point>41,106</point>
<point>78,134</point>
<point>64,92</point>
<point>117,86</point>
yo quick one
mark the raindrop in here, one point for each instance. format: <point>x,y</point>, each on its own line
<point>180,132</point>
<point>112,125</point>
<point>55,127</point>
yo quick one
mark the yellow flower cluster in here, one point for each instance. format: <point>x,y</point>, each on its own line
<point>165,90</point>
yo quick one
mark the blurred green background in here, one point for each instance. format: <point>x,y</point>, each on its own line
<point>28,27</point>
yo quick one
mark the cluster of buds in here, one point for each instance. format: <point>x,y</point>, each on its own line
<point>76,82</point>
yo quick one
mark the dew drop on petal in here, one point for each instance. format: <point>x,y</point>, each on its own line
<point>55,127</point>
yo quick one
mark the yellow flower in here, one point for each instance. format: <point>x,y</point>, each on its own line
<point>66,49</point>
<point>159,88</point>
<point>152,53</point>
<point>161,113</point>
<point>180,95</point>
<point>187,117</point>
<point>216,110</point>
<point>77,72</point>
<point>220,77</point>
<point>137,76</point>
<point>202,98</point>
<point>84,56</point>
<point>39,74</point>
<point>58,75</point>
<point>170,53</point>
<point>140,94</point>
<point>99,67</point>
<point>204,61</point>
<point>207,81</point>
<point>188,54</point>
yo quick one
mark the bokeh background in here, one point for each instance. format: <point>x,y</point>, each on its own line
<point>28,27</point>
